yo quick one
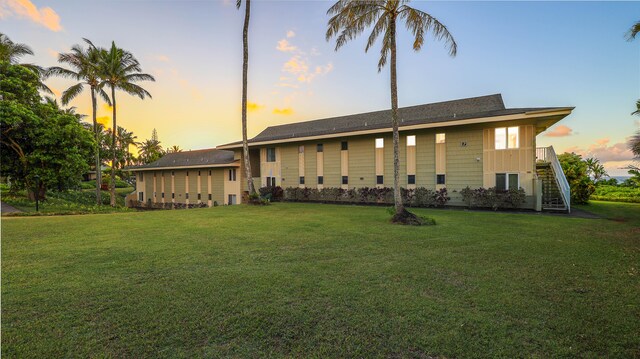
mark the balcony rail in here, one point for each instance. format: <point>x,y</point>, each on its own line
<point>548,155</point>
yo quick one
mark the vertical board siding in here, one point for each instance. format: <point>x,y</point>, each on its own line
<point>425,159</point>
<point>289,165</point>
<point>218,176</point>
<point>331,162</point>
<point>180,185</point>
<point>520,160</point>
<point>464,163</point>
<point>362,162</point>
<point>193,186</point>
<point>310,164</point>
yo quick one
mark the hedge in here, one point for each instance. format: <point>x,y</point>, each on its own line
<point>418,197</point>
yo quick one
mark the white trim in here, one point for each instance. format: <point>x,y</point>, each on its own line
<point>184,167</point>
<point>519,116</point>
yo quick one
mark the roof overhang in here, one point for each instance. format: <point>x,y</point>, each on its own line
<point>219,165</point>
<point>544,119</point>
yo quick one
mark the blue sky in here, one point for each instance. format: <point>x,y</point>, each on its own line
<point>534,53</point>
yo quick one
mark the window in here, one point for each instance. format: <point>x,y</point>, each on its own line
<point>199,197</point>
<point>232,199</point>
<point>209,196</point>
<point>173,173</point>
<point>320,180</point>
<point>411,179</point>
<point>198,173</point>
<point>411,140</point>
<point>141,196</point>
<point>141,177</point>
<point>440,138</point>
<point>440,179</point>
<point>507,138</point>
<point>320,147</point>
<point>154,175</point>
<point>187,173</point>
<point>345,179</point>
<point>300,149</point>
<point>209,172</point>
<point>271,154</point>
<point>505,181</point>
<point>301,179</point>
<point>162,194</point>
<point>344,145</point>
<point>173,195</point>
<point>271,181</point>
<point>232,174</point>
<point>379,179</point>
<point>186,195</point>
<point>154,195</point>
<point>379,142</point>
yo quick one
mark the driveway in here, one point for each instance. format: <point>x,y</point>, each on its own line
<point>8,209</point>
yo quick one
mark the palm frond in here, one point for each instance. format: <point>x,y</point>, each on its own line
<point>637,111</point>
<point>420,23</point>
<point>61,72</point>
<point>103,94</point>
<point>71,93</point>
<point>634,145</point>
<point>139,77</point>
<point>633,31</point>
<point>135,90</point>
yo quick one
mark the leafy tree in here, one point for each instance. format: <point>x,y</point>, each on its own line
<point>595,169</point>
<point>174,149</point>
<point>11,52</point>
<point>576,171</point>
<point>150,150</point>
<point>245,68</point>
<point>38,138</point>
<point>350,18</point>
<point>84,64</point>
<point>119,70</point>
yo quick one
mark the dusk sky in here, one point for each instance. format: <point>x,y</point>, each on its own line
<point>533,53</point>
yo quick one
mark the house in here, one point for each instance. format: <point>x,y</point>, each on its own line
<point>474,142</point>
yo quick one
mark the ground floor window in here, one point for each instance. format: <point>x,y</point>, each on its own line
<point>320,180</point>
<point>141,196</point>
<point>441,179</point>
<point>209,196</point>
<point>379,179</point>
<point>411,179</point>
<point>162,194</point>
<point>199,197</point>
<point>271,181</point>
<point>345,179</point>
<point>301,179</point>
<point>186,195</point>
<point>232,174</point>
<point>505,181</point>
<point>232,199</point>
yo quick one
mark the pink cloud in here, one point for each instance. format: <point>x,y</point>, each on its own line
<point>601,150</point>
<point>560,131</point>
<point>44,16</point>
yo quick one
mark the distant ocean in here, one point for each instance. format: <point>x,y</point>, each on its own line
<point>621,178</point>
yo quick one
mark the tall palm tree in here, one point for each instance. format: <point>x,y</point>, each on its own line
<point>174,149</point>
<point>119,69</point>
<point>84,63</point>
<point>634,145</point>
<point>11,52</point>
<point>126,139</point>
<point>350,18</point>
<point>245,69</point>
<point>633,31</point>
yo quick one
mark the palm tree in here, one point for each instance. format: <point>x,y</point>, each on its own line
<point>350,18</point>
<point>119,69</point>
<point>174,149</point>
<point>150,150</point>
<point>11,52</point>
<point>595,169</point>
<point>84,63</point>
<point>126,139</point>
<point>633,31</point>
<point>634,145</point>
<point>245,68</point>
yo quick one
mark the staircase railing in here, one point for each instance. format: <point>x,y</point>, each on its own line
<point>548,154</point>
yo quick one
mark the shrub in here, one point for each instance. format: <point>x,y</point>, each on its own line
<point>493,198</point>
<point>272,193</point>
<point>418,197</point>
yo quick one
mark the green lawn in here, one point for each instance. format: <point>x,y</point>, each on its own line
<point>313,280</point>
<point>69,202</point>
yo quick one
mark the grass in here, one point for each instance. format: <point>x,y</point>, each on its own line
<point>313,280</point>
<point>616,194</point>
<point>69,202</point>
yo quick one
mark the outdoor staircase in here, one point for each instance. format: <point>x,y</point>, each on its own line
<point>556,193</point>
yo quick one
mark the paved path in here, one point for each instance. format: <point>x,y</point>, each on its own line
<point>8,209</point>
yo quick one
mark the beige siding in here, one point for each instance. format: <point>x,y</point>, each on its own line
<point>464,163</point>
<point>344,167</point>
<point>270,169</point>
<point>332,164</point>
<point>180,186</point>
<point>520,160</point>
<point>362,162</point>
<point>193,186</point>
<point>289,156</point>
<point>310,165</point>
<point>425,159</point>
<point>218,176</point>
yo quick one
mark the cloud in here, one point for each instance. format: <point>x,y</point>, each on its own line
<point>601,150</point>
<point>253,107</point>
<point>44,16</point>
<point>162,58</point>
<point>283,111</point>
<point>193,91</point>
<point>104,121</point>
<point>560,131</point>
<point>290,34</point>
<point>299,67</point>
<point>106,107</point>
<point>285,46</point>
<point>53,53</point>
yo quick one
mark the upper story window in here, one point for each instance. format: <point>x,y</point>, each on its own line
<point>344,145</point>
<point>141,177</point>
<point>507,137</point>
<point>232,174</point>
<point>300,149</point>
<point>379,142</point>
<point>440,138</point>
<point>271,154</point>
<point>411,140</point>
<point>320,147</point>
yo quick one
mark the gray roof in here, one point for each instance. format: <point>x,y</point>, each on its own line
<point>204,158</point>
<point>475,107</point>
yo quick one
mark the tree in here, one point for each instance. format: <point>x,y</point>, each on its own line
<point>245,69</point>
<point>350,18</point>
<point>576,171</point>
<point>633,31</point>
<point>119,70</point>
<point>150,150</point>
<point>84,63</point>
<point>38,138</point>
<point>11,52</point>
<point>174,149</point>
<point>595,169</point>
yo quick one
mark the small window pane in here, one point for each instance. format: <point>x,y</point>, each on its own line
<point>271,154</point>
<point>411,179</point>
<point>440,138</point>
<point>209,196</point>
<point>162,194</point>
<point>411,140</point>
<point>199,196</point>
<point>379,179</point>
<point>320,147</point>
<point>513,181</point>
<point>501,138</point>
<point>344,145</point>
<point>379,142</point>
<point>345,179</point>
<point>501,181</point>
<point>301,179</point>
<point>320,180</point>
<point>440,179</point>
<point>514,140</point>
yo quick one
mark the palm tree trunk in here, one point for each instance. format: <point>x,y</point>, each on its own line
<point>113,148</point>
<point>397,196</point>
<point>95,132</point>
<point>245,69</point>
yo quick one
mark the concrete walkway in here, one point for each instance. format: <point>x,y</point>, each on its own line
<point>8,209</point>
